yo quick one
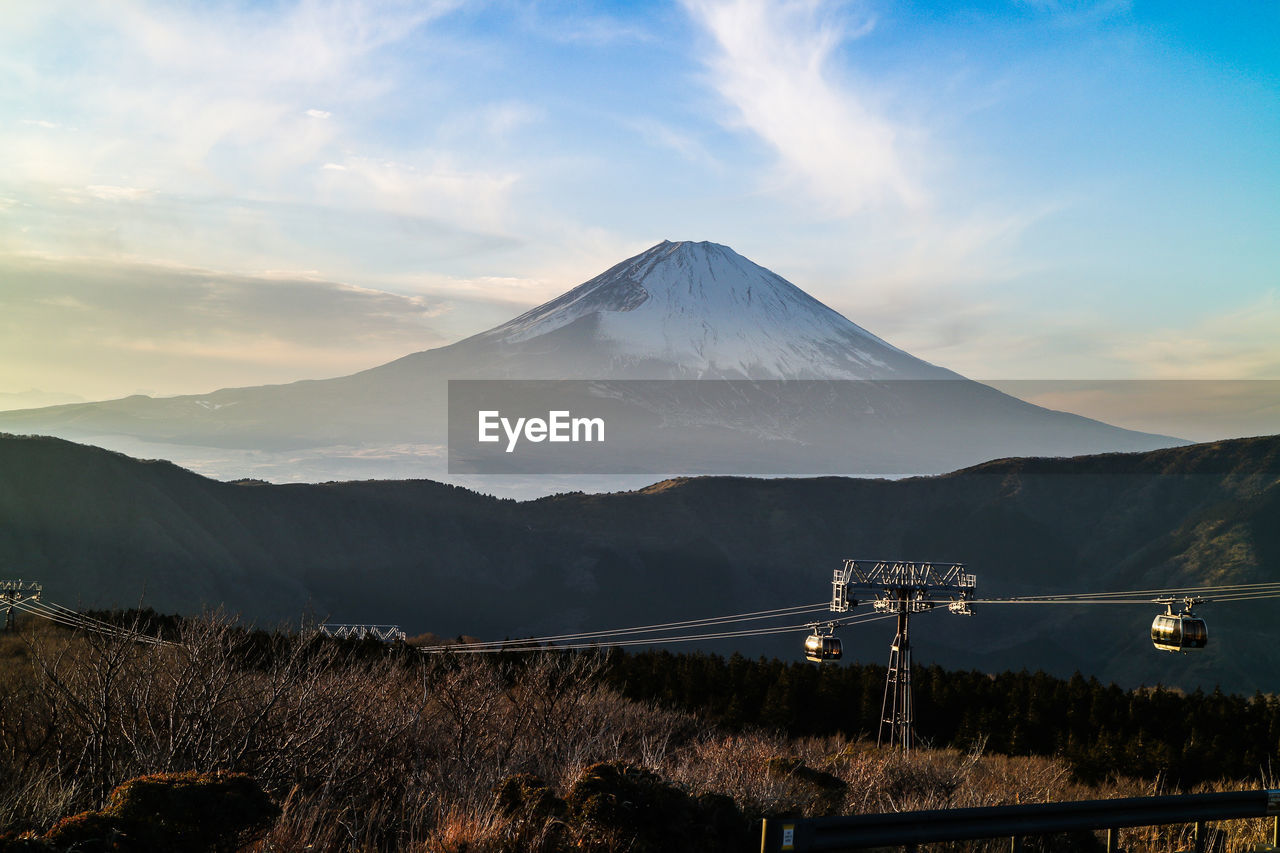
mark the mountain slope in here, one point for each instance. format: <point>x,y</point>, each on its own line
<point>676,311</point>
<point>99,528</point>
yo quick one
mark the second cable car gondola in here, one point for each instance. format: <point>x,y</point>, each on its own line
<point>822,646</point>
<point>1179,632</point>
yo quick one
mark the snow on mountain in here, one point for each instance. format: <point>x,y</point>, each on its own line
<point>701,310</point>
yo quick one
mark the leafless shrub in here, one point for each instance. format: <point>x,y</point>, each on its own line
<point>403,752</point>
<point>738,765</point>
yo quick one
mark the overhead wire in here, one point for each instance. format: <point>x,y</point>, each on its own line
<point>523,646</point>
<point>776,613</point>
<point>72,619</point>
<point>90,620</point>
<point>628,636</point>
<point>1235,592</point>
<point>29,606</point>
<point>678,631</point>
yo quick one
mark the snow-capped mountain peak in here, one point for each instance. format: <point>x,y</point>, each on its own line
<point>689,309</point>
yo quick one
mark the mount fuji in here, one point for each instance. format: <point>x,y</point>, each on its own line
<point>688,311</point>
<point>677,311</point>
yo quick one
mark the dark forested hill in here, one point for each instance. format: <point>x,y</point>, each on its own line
<point>1185,739</point>
<point>98,528</point>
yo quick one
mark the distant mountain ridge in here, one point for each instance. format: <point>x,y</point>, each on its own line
<point>98,528</point>
<point>676,311</point>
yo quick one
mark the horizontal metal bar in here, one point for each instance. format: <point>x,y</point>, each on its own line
<point>923,827</point>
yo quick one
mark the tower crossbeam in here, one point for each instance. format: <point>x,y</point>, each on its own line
<point>339,631</point>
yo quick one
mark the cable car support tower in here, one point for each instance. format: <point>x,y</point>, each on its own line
<point>901,588</point>
<point>12,592</point>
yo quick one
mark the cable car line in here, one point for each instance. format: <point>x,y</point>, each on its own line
<point>1260,595</point>
<point>71,619</point>
<point>1176,591</point>
<point>1243,597</point>
<point>470,648</point>
<point>672,632</point>
<point>42,609</point>
<point>688,623</point>
<point>89,620</point>
<point>1236,592</point>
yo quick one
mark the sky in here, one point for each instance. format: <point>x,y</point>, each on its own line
<point>221,194</point>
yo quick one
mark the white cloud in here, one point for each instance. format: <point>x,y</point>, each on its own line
<point>171,91</point>
<point>774,66</point>
<point>988,337</point>
<point>205,120</point>
<point>578,23</point>
<point>213,98</point>
<point>1080,12</point>
<point>100,329</point>
<point>435,186</point>
<point>665,136</point>
<point>104,192</point>
<point>504,118</point>
<point>1239,343</point>
<point>299,42</point>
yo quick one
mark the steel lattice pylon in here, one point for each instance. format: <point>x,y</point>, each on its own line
<point>901,587</point>
<point>11,592</point>
<point>895,710</point>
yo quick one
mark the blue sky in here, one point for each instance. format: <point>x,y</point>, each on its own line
<point>204,195</point>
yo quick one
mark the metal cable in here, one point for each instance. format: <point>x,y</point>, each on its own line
<point>777,613</point>
<point>524,646</point>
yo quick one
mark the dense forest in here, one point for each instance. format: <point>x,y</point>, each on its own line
<point>1100,729</point>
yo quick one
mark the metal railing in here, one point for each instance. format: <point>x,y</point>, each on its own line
<point>908,829</point>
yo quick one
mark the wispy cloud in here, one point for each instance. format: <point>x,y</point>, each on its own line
<point>663,135</point>
<point>1080,12</point>
<point>98,329</point>
<point>106,192</point>
<point>1239,343</point>
<point>434,186</point>
<point>305,41</point>
<point>190,85</point>
<point>493,122</point>
<point>503,155</point>
<point>573,23</point>
<point>773,65</point>
<point>988,338</point>
<point>211,114</point>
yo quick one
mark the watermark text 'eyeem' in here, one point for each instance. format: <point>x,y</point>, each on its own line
<point>558,426</point>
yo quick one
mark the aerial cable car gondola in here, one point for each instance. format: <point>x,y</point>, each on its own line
<point>822,645</point>
<point>1179,632</point>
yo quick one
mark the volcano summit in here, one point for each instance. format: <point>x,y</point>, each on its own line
<point>702,311</point>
